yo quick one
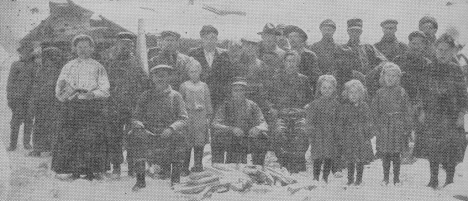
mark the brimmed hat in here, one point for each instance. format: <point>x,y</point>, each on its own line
<point>388,21</point>
<point>161,67</point>
<point>269,28</point>
<point>292,28</point>
<point>239,81</point>
<point>328,22</point>
<point>355,23</point>
<point>429,19</point>
<point>165,34</point>
<point>126,35</point>
<point>206,29</point>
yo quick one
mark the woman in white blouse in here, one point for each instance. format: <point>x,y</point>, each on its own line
<point>82,86</point>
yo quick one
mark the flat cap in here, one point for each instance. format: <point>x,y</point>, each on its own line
<point>429,19</point>
<point>206,29</point>
<point>328,22</point>
<point>160,67</point>
<point>269,28</point>
<point>239,81</point>
<point>126,35</point>
<point>355,23</point>
<point>165,34</point>
<point>82,37</point>
<point>388,21</point>
<point>292,28</point>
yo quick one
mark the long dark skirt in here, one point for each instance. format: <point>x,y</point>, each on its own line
<point>81,144</point>
<point>46,125</point>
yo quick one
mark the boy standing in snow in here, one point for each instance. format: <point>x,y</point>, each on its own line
<point>391,117</point>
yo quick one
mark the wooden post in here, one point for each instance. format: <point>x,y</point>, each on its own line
<point>141,46</point>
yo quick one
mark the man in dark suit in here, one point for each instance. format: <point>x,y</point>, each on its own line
<point>217,70</point>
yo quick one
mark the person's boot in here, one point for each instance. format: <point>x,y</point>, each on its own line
<point>359,173</point>
<point>34,153</point>
<point>175,172</point>
<point>116,171</point>
<point>396,173</point>
<point>350,174</point>
<point>186,163</point>
<point>434,181</point>
<point>165,171</point>
<point>450,173</point>
<point>140,176</point>
<point>13,138</point>
<point>198,159</point>
<point>11,148</point>
<point>131,166</point>
<point>27,135</point>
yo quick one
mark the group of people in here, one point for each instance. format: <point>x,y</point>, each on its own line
<point>271,93</point>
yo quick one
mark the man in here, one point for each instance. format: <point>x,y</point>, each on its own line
<point>158,121</point>
<point>282,39</point>
<point>414,66</point>
<point>288,98</point>
<point>389,46</point>
<point>240,125</point>
<point>307,65</point>
<point>269,44</point>
<point>216,67</point>
<point>369,56</point>
<point>171,56</point>
<point>19,90</point>
<point>325,48</point>
<point>126,82</point>
<point>429,26</point>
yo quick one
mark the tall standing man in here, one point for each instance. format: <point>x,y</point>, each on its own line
<point>369,56</point>
<point>429,26</point>
<point>269,51</point>
<point>389,45</point>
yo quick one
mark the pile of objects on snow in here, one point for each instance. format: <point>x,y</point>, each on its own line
<point>221,178</point>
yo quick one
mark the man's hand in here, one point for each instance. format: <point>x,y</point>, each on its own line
<point>167,133</point>
<point>237,131</point>
<point>254,132</point>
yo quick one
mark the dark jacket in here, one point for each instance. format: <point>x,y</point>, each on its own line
<point>368,55</point>
<point>288,91</point>
<point>444,98</point>
<point>390,47</point>
<point>20,82</point>
<point>309,67</point>
<point>321,119</point>
<point>355,135</point>
<point>218,76</point>
<point>325,50</point>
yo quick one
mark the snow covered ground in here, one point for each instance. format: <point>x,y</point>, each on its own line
<point>31,179</point>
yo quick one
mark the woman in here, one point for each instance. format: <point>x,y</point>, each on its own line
<point>82,86</point>
<point>444,102</point>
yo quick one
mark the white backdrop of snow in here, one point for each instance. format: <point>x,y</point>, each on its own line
<point>32,183</point>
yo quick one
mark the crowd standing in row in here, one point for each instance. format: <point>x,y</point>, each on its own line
<point>269,94</point>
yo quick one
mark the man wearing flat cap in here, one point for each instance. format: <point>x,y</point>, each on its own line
<point>157,123</point>
<point>217,70</point>
<point>269,42</point>
<point>127,80</point>
<point>308,64</point>
<point>369,56</point>
<point>241,127</point>
<point>325,48</point>
<point>429,26</point>
<point>170,55</point>
<point>389,46</point>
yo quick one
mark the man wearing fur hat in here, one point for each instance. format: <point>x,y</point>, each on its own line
<point>126,79</point>
<point>369,56</point>
<point>389,46</point>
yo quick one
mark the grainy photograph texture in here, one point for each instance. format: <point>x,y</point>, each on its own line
<point>189,100</point>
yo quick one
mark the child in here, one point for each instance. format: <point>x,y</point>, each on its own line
<point>354,130</point>
<point>320,124</point>
<point>390,108</point>
<point>198,103</point>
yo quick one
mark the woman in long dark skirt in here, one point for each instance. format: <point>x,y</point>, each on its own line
<point>442,140</point>
<point>82,86</point>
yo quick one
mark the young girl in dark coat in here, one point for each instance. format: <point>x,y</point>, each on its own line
<point>321,116</point>
<point>354,130</point>
<point>390,112</point>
